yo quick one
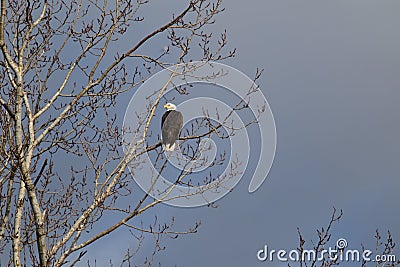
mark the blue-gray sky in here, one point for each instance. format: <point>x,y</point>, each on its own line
<point>332,79</point>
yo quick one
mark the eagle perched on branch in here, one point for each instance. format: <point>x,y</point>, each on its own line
<point>171,126</point>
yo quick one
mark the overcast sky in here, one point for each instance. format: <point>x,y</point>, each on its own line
<point>332,79</point>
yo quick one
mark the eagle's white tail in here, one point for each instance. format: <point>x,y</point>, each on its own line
<point>168,147</point>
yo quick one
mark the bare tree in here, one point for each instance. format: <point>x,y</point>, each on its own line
<point>64,67</point>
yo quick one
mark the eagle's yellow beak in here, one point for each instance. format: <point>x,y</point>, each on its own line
<point>166,106</point>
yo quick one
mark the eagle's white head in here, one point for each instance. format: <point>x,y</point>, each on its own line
<point>170,106</point>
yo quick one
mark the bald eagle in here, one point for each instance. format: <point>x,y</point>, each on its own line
<point>171,125</point>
